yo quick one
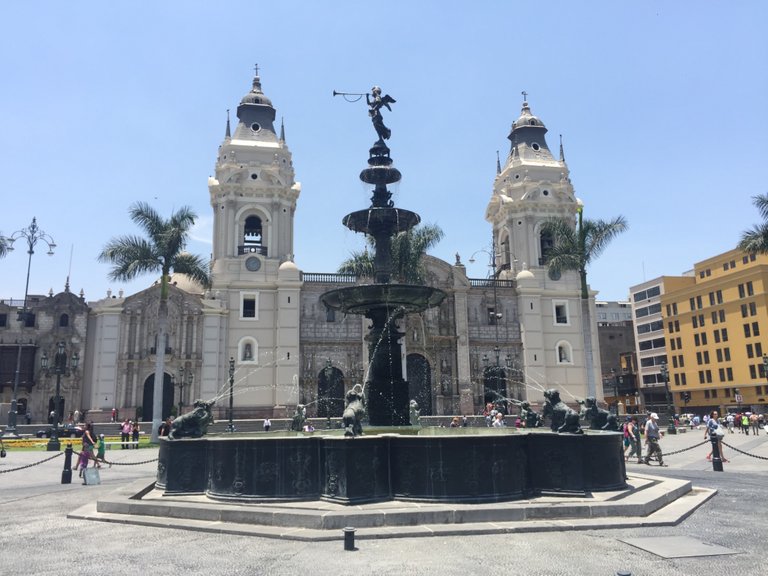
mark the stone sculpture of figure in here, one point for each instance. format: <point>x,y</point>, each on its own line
<point>531,418</point>
<point>563,418</point>
<point>299,416</point>
<point>354,412</point>
<point>414,413</point>
<point>375,102</point>
<point>193,424</point>
<point>598,418</point>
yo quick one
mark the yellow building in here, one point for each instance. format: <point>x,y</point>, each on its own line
<point>715,321</point>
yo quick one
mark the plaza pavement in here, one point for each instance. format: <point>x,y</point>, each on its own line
<point>37,538</point>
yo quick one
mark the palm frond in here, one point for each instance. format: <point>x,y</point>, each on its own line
<point>193,266</point>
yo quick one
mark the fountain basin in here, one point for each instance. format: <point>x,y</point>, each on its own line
<point>375,219</point>
<point>405,297</point>
<point>461,468</point>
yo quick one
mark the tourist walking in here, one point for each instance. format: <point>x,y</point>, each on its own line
<point>744,424</point>
<point>636,449</point>
<point>267,424</point>
<point>652,437</point>
<point>714,431</point>
<point>729,422</point>
<point>753,421</point>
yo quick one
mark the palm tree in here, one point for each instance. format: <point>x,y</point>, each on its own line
<point>408,248</point>
<point>755,241</point>
<point>575,248</point>
<point>161,251</point>
<point>3,246</point>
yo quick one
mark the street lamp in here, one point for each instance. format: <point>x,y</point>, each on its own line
<point>231,426</point>
<point>185,379</point>
<point>32,235</point>
<point>670,411</point>
<point>59,368</point>
<point>737,395</point>
<point>615,381</point>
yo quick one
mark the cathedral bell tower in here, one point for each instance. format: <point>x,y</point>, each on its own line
<point>530,188</point>
<point>253,196</point>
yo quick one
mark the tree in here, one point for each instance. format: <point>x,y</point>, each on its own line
<point>755,240</point>
<point>161,251</point>
<point>575,248</point>
<point>3,246</point>
<point>408,249</point>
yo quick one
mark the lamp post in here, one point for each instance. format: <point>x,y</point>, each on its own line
<point>615,382</point>
<point>670,411</point>
<point>186,377</point>
<point>32,235</point>
<point>59,368</point>
<point>231,426</point>
<point>737,397</point>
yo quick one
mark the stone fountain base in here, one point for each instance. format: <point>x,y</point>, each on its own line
<point>457,467</point>
<point>645,501</point>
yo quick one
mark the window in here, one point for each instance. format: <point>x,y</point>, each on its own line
<point>724,334</point>
<point>29,320</point>
<point>701,381</point>
<point>681,361</point>
<point>677,325</point>
<point>747,332</point>
<point>695,322</point>
<point>248,351</point>
<point>750,351</point>
<point>683,379</point>
<point>647,294</point>
<point>698,358</point>
<point>714,392</point>
<point>706,393</point>
<point>758,349</point>
<point>711,298</point>
<point>709,376</point>
<point>719,354</point>
<point>3,320</point>
<point>679,343</point>
<point>330,315</point>
<point>706,356</point>
<point>755,329</point>
<point>646,345</point>
<point>671,344</point>
<point>721,314</point>
<point>703,338</point>
<point>727,354</point>
<point>752,371</point>
<point>750,289</point>
<point>741,291</point>
<point>561,313</point>
<point>717,336</point>
<point>753,309</point>
<point>692,302</point>
<point>698,302</point>
<point>729,374</point>
<point>249,305</point>
<point>743,310</point>
<point>719,296</point>
<point>697,340</point>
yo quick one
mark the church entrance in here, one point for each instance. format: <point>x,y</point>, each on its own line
<point>149,390</point>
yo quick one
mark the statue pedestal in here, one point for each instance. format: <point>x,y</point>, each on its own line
<point>466,402</point>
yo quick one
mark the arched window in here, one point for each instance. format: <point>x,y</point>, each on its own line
<point>252,231</point>
<point>564,353</point>
<point>545,246</point>
<point>248,351</point>
<point>64,320</point>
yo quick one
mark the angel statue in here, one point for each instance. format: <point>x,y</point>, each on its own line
<point>375,102</point>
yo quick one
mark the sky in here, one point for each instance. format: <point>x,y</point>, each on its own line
<point>661,106</point>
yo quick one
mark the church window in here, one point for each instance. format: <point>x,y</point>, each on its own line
<point>535,146</point>
<point>546,242</point>
<point>561,313</point>
<point>64,320</point>
<point>254,176</point>
<point>255,127</point>
<point>249,305</point>
<point>545,192</point>
<point>252,231</point>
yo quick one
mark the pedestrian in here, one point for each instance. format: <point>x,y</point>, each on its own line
<point>636,448</point>
<point>135,434</point>
<point>745,423</point>
<point>753,421</point>
<point>729,422</point>
<point>114,415</point>
<point>100,451</point>
<point>165,427</point>
<point>627,442</point>
<point>714,431</point>
<point>267,424</point>
<point>86,451</point>
<point>498,420</point>
<point>76,416</point>
<point>652,437</point>
<point>125,433</point>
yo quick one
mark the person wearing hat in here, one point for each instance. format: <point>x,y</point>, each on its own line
<point>652,437</point>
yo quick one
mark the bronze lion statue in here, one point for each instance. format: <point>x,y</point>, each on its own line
<point>563,418</point>
<point>598,418</point>
<point>193,424</point>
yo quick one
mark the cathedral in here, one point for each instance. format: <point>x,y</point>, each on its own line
<point>263,326</point>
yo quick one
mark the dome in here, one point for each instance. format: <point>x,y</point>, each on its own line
<point>527,119</point>
<point>185,283</point>
<point>288,265</point>
<point>524,275</point>
<point>256,96</point>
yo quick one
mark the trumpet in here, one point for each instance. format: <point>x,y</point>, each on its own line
<point>335,93</point>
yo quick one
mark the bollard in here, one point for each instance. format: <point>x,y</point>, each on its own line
<point>66,474</point>
<point>349,539</point>
<point>717,461</point>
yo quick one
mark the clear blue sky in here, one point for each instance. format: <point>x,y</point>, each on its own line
<point>662,108</point>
